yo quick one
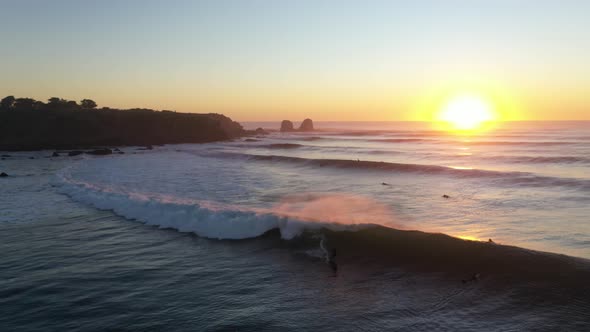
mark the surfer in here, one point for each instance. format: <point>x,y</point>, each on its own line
<point>446,196</point>
<point>332,262</point>
<point>330,256</point>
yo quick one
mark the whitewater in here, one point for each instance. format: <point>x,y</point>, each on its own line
<point>209,228</point>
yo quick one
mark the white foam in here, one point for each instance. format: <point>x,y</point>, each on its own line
<point>204,218</point>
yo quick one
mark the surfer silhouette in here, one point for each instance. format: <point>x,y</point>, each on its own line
<point>332,262</point>
<point>330,256</point>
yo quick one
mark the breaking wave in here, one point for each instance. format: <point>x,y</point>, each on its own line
<point>291,215</point>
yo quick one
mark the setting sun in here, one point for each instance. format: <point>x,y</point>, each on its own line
<point>466,112</point>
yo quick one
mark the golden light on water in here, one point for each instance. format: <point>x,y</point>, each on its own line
<point>466,112</point>
<point>468,237</point>
<point>461,167</point>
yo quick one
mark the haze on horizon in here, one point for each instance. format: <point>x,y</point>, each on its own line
<point>329,60</point>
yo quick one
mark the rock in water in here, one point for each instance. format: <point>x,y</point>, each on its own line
<point>55,154</point>
<point>306,125</point>
<point>287,125</point>
<point>74,153</point>
<point>100,152</point>
<point>260,131</point>
<point>3,175</point>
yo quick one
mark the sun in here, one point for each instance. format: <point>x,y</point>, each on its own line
<point>466,112</point>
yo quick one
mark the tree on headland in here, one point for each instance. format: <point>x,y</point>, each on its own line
<point>59,124</point>
<point>88,104</point>
<point>56,103</point>
<point>24,104</point>
<point>71,105</point>
<point>7,103</point>
<point>39,105</point>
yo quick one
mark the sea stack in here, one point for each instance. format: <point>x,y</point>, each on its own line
<point>306,125</point>
<point>287,125</point>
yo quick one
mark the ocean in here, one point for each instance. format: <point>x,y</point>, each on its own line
<point>430,230</point>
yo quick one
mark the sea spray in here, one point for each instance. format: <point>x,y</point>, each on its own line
<point>292,215</point>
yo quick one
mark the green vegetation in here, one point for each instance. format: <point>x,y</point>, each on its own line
<point>28,124</point>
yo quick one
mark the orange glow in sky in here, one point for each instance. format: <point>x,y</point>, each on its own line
<point>275,60</point>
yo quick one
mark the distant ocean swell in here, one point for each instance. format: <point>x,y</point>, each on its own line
<point>522,178</point>
<point>523,159</point>
<point>473,142</point>
<point>535,159</point>
<point>443,134</point>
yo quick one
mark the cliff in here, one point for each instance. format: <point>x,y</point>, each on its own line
<point>37,129</point>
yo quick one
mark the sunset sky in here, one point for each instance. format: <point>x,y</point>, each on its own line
<point>329,60</point>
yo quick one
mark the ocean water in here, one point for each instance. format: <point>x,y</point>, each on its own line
<point>226,236</point>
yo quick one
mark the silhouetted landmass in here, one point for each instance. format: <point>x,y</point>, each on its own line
<point>306,125</point>
<point>287,125</point>
<point>27,124</point>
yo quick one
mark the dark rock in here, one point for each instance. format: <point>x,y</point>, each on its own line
<point>100,152</point>
<point>306,125</point>
<point>287,125</point>
<point>251,140</point>
<point>446,196</point>
<point>55,154</point>
<point>3,175</point>
<point>75,153</point>
<point>116,150</point>
<point>284,146</point>
<point>260,131</point>
<point>121,152</point>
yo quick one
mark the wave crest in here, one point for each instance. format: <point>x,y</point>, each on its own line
<point>291,215</point>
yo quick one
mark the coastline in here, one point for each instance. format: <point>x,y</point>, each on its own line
<point>33,130</point>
